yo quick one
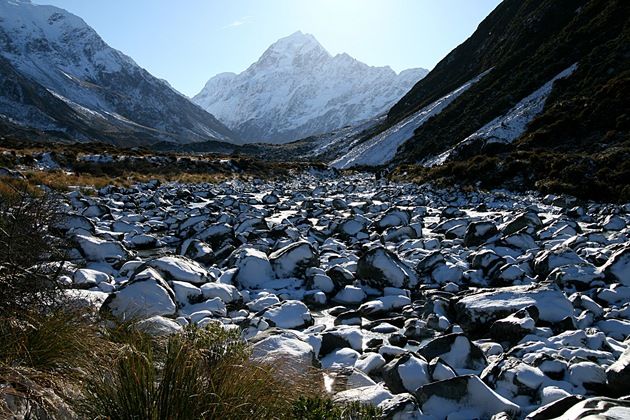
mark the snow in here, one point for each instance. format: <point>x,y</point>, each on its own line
<point>254,268</point>
<point>414,373</point>
<point>96,249</point>
<point>59,51</point>
<point>373,395</point>
<point>350,295</point>
<point>509,127</point>
<point>478,402</point>
<point>181,268</point>
<point>297,89</point>
<point>340,358</point>
<point>226,292</point>
<point>381,149</point>
<point>289,314</point>
<point>284,348</point>
<point>142,299</point>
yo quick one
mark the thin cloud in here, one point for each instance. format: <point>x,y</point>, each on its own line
<point>240,22</point>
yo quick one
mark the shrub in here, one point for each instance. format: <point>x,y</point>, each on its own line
<point>319,408</point>
<point>27,279</point>
<point>201,373</point>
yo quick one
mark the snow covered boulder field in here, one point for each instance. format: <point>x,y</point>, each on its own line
<point>430,303</point>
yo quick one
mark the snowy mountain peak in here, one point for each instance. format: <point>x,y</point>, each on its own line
<point>295,50</point>
<point>297,89</point>
<point>59,75</point>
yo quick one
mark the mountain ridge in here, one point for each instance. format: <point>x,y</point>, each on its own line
<point>112,98</point>
<point>297,89</point>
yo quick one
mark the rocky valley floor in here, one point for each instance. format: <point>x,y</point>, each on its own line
<point>429,303</point>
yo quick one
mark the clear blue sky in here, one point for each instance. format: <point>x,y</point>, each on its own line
<point>188,41</point>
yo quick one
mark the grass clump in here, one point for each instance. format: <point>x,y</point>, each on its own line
<point>318,408</point>
<point>198,374</point>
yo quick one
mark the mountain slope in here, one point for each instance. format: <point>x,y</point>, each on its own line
<point>552,113</point>
<point>297,89</point>
<point>58,74</point>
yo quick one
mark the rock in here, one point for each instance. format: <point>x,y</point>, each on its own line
<point>85,278</point>
<point>480,309</point>
<point>614,223</point>
<point>370,362</point>
<point>526,220</point>
<point>350,295</point>
<point>514,327</point>
<point>479,232</point>
<point>596,408</point>
<point>284,349</point>
<point>618,375</point>
<point>555,409</point>
<point>381,268</point>
<point>146,296</point>
<point>293,260</point>
<point>617,268</point>
<point>158,326</point>
<point>341,337</point>
<point>406,373</point>
<point>226,292</point>
<point>588,375</point>
<point>373,395</point>
<point>402,406</point>
<point>254,268</point>
<point>383,305</point>
<point>181,269</point>
<point>341,358</point>
<point>96,249</point>
<point>455,349</point>
<point>186,293</point>
<point>288,314</point>
<point>463,396</point>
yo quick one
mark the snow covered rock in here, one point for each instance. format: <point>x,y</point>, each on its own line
<point>288,314</point>
<point>617,267</point>
<point>96,249</point>
<point>293,260</point>
<point>381,268</point>
<point>406,373</point>
<point>146,296</point>
<point>463,396</point>
<point>480,309</point>
<point>181,269</point>
<point>254,268</point>
<point>283,349</point>
<point>455,349</point>
<point>479,232</point>
<point>618,375</point>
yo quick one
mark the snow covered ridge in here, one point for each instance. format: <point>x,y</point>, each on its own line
<point>427,302</point>
<point>297,89</point>
<point>509,127</point>
<point>381,149</point>
<point>48,50</point>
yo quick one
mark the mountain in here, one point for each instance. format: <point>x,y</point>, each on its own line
<point>59,77</point>
<point>297,89</point>
<point>537,98</point>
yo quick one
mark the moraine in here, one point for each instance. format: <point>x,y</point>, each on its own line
<point>424,301</point>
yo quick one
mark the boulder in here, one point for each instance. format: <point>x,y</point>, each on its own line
<point>463,397</point>
<point>293,260</point>
<point>381,268</point>
<point>288,314</point>
<point>406,373</point>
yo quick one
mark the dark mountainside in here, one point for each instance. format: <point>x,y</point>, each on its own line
<point>580,144</point>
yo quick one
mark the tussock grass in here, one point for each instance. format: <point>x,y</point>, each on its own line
<point>201,373</point>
